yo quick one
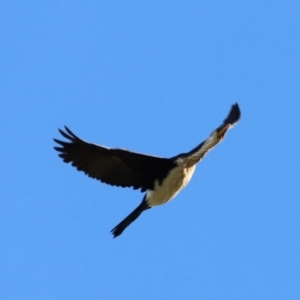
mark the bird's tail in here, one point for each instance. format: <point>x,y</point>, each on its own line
<point>130,218</point>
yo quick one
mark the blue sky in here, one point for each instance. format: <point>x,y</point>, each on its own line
<point>155,77</point>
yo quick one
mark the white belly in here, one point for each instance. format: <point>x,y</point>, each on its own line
<point>176,180</point>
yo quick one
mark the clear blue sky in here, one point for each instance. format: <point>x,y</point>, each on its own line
<point>155,77</point>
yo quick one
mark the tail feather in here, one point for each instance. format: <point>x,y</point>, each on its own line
<point>129,219</point>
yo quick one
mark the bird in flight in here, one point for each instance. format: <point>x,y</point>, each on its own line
<point>161,178</point>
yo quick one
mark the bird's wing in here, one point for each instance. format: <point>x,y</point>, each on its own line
<point>199,152</point>
<point>112,166</point>
<point>233,116</point>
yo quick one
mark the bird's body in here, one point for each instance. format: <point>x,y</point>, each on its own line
<point>176,180</point>
<point>161,178</point>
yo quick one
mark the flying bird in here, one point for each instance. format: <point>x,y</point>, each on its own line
<point>161,178</point>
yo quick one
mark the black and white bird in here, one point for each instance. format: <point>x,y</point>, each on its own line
<point>161,178</point>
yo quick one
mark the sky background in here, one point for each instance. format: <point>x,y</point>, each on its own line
<point>155,77</point>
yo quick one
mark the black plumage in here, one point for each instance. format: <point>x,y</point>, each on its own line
<point>116,167</point>
<point>162,178</point>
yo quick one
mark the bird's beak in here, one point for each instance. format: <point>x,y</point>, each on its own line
<point>223,131</point>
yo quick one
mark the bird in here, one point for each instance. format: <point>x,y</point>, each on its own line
<point>160,178</point>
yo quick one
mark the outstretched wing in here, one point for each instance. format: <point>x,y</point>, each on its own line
<point>233,116</point>
<point>215,138</point>
<point>112,166</point>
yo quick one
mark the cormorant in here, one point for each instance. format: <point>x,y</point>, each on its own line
<point>160,178</point>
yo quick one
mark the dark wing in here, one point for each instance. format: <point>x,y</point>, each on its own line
<point>233,116</point>
<point>112,166</point>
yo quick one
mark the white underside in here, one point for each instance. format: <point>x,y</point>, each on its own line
<point>176,180</point>
<point>179,177</point>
